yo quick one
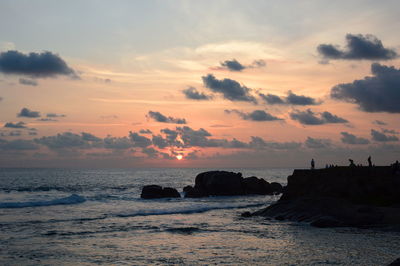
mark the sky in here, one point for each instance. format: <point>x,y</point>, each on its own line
<point>198,83</point>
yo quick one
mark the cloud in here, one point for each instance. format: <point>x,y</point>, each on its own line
<point>47,120</point>
<point>18,145</point>
<point>299,99</point>
<point>28,82</point>
<point>379,93</point>
<point>194,94</point>
<point>25,112</point>
<point>379,122</point>
<point>272,99</point>
<point>359,47</point>
<point>259,143</point>
<point>291,99</point>
<point>390,131</point>
<point>382,137</point>
<point>66,140</point>
<point>40,65</point>
<point>352,139</point>
<point>308,117</point>
<point>117,143</point>
<point>1,99</point>
<point>257,115</point>
<point>145,131</point>
<point>234,65</point>
<point>15,125</point>
<point>230,89</point>
<point>53,115</point>
<point>315,143</point>
<point>138,140</point>
<point>157,116</point>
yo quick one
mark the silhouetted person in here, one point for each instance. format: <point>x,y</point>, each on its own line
<point>369,162</point>
<point>352,163</point>
<point>312,164</point>
<point>396,166</point>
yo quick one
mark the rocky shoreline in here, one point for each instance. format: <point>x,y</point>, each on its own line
<point>362,197</point>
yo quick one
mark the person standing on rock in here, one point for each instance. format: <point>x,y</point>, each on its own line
<point>312,164</point>
<point>369,161</point>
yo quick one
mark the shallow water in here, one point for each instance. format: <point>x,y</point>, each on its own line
<point>92,217</point>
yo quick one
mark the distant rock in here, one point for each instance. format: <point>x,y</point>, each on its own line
<point>223,183</point>
<point>156,192</point>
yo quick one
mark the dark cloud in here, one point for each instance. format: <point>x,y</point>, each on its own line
<point>160,142</point>
<point>18,145</point>
<point>259,143</point>
<point>230,89</point>
<point>41,65</point>
<point>380,93</point>
<point>117,143</point>
<point>15,125</point>
<point>25,112</point>
<point>66,140</point>
<point>382,137</point>
<point>53,115</point>
<point>194,94</point>
<point>28,82</point>
<point>47,120</point>
<point>234,65</point>
<point>308,117</point>
<point>157,116</point>
<point>290,99</point>
<point>272,99</point>
<point>1,99</point>
<point>138,140</point>
<point>299,99</point>
<point>379,122</point>
<point>89,137</point>
<point>145,131</point>
<point>150,152</point>
<point>352,139</point>
<point>314,143</point>
<point>14,133</point>
<point>390,131</point>
<point>358,47</point>
<point>257,115</point>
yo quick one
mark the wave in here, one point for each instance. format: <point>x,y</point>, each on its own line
<point>188,210</point>
<point>73,199</point>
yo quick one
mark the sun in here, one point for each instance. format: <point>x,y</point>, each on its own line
<point>179,157</point>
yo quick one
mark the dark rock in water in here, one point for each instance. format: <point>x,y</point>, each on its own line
<point>156,192</point>
<point>219,183</point>
<point>395,263</point>
<point>276,188</point>
<point>254,185</point>
<point>170,192</point>
<point>246,214</point>
<point>223,183</point>
<point>342,196</point>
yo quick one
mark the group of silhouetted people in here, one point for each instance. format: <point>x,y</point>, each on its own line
<point>395,166</point>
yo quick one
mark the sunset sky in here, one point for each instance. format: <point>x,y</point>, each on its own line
<point>220,83</point>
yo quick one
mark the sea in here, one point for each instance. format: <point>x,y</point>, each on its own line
<point>96,217</point>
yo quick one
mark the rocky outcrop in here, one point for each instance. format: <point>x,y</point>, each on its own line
<point>223,183</point>
<point>156,192</point>
<point>340,196</point>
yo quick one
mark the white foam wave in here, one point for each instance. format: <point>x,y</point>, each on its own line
<point>73,199</point>
<point>188,210</point>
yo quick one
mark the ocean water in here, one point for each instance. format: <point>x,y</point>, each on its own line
<point>96,217</point>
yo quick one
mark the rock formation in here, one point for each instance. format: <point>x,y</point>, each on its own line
<point>340,196</point>
<point>156,192</point>
<point>223,183</point>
